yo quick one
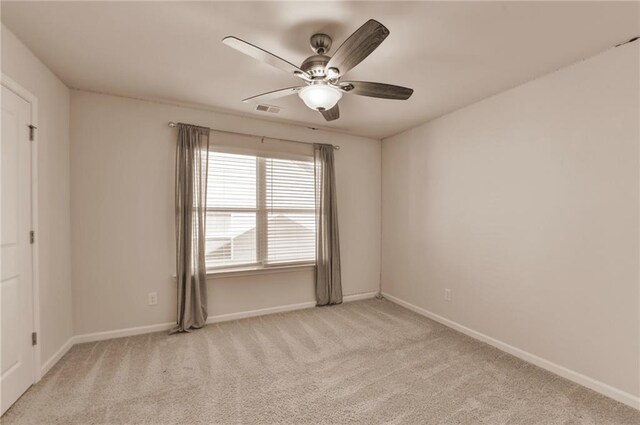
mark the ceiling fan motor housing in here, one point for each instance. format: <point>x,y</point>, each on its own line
<point>315,65</point>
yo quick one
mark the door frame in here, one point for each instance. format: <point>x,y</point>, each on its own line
<point>30,98</point>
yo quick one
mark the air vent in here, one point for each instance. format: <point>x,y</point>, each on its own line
<point>267,108</point>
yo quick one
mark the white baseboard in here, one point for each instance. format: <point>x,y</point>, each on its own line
<point>358,297</point>
<point>283,308</point>
<point>46,367</point>
<point>260,312</point>
<point>140,330</point>
<point>119,333</point>
<point>578,378</point>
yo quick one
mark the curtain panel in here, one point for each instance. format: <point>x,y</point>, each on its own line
<point>192,153</point>
<point>328,279</point>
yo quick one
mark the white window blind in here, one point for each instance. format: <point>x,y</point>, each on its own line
<point>260,211</point>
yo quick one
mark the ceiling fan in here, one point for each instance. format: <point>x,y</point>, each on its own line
<point>322,73</point>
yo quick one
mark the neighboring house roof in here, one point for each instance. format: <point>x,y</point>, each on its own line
<point>279,220</point>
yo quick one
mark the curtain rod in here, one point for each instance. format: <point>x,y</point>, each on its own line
<point>173,124</point>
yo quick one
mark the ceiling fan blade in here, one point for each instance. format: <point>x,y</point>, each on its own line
<point>273,94</point>
<point>357,47</point>
<point>380,90</point>
<point>331,114</point>
<point>264,56</point>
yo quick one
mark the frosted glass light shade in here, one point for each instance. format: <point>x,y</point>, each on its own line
<point>320,96</point>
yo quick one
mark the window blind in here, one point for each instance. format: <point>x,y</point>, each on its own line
<point>290,203</point>
<point>260,211</point>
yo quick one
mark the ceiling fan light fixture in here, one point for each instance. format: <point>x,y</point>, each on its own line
<point>320,96</point>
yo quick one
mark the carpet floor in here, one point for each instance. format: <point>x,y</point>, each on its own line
<point>366,362</point>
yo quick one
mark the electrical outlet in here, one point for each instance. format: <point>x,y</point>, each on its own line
<point>447,295</point>
<point>153,298</point>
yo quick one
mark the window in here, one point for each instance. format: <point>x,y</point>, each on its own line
<point>260,211</point>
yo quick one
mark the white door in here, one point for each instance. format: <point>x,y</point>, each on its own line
<point>16,286</point>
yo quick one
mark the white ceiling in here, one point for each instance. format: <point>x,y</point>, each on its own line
<point>451,53</point>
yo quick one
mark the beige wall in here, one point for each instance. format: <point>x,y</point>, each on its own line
<point>54,251</point>
<point>122,168</point>
<point>525,205</point>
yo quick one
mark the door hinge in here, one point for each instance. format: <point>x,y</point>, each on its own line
<point>32,236</point>
<point>32,132</point>
<point>34,338</point>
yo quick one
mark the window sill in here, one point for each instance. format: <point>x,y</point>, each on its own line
<point>249,271</point>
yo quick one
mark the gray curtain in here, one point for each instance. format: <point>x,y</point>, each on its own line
<point>328,280</point>
<point>192,155</point>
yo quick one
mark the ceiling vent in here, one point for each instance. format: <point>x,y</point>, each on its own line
<point>267,108</point>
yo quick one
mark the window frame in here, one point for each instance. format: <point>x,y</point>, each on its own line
<point>261,212</point>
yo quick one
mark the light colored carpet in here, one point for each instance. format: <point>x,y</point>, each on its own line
<point>365,362</point>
